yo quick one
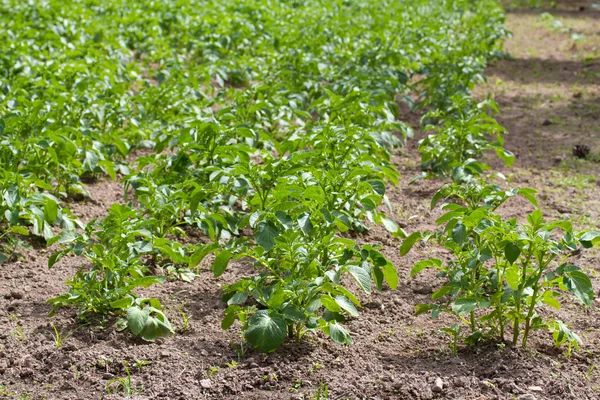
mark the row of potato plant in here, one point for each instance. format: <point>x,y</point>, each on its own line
<point>499,271</point>
<point>267,127</point>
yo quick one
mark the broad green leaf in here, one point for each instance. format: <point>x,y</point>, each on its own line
<point>464,306</point>
<point>156,328</point>
<point>238,298</point>
<point>265,235</point>
<point>338,334</point>
<point>266,330</point>
<point>459,234</point>
<point>19,230</point>
<point>330,304</point>
<point>220,263</point>
<point>123,303</point>
<point>228,320</point>
<point>391,275</point>
<point>389,225</point>
<point>305,224</point>
<point>421,265</point>
<point>590,239</point>
<point>513,277</point>
<point>361,276</point>
<point>512,252</point>
<point>146,281</point>
<point>549,299</point>
<point>347,305</point>
<point>50,210</point>
<point>136,319</point>
<point>293,313</point>
<point>409,242</point>
<point>581,286</point>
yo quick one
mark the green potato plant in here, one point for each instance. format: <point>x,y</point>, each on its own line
<point>500,271</point>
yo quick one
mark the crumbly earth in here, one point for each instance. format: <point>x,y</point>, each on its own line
<point>549,95</point>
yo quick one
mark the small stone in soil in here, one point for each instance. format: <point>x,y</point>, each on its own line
<point>205,383</point>
<point>438,386</point>
<point>535,389</point>
<point>526,396</point>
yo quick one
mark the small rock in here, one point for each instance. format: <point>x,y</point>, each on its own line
<point>205,384</point>
<point>438,386</point>
<point>546,122</point>
<point>164,354</point>
<point>526,396</point>
<point>204,353</point>
<point>426,393</point>
<point>535,389</point>
<point>16,294</point>
<point>461,381</point>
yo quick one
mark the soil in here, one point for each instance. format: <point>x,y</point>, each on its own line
<point>549,95</point>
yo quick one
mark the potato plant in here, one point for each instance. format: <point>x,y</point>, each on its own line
<point>500,271</point>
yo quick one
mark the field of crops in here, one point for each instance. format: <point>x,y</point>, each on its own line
<point>282,199</point>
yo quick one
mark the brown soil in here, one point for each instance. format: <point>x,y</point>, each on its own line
<point>550,99</point>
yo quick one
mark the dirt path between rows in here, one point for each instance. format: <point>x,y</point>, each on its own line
<point>549,94</point>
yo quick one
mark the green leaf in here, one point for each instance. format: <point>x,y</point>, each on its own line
<point>266,330</point>
<point>19,230</point>
<point>464,306</point>
<point>146,281</point>
<point>293,313</point>
<point>459,234</point>
<point>512,252</point>
<point>507,156</point>
<point>409,242</point>
<point>305,224</point>
<point>361,276</point>
<point>581,286</point>
<point>421,265</point>
<point>391,275</point>
<point>228,320</point>
<point>238,298</point>
<point>50,210</point>
<point>330,304</point>
<point>3,258</point>
<point>156,327</point>
<point>122,303</point>
<point>220,264</point>
<point>529,194</point>
<point>423,308</point>
<point>136,319</point>
<point>378,186</point>
<point>346,304</point>
<point>549,299</point>
<point>67,237</point>
<point>389,225</point>
<point>338,334</point>
<point>590,239</point>
<point>265,235</point>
